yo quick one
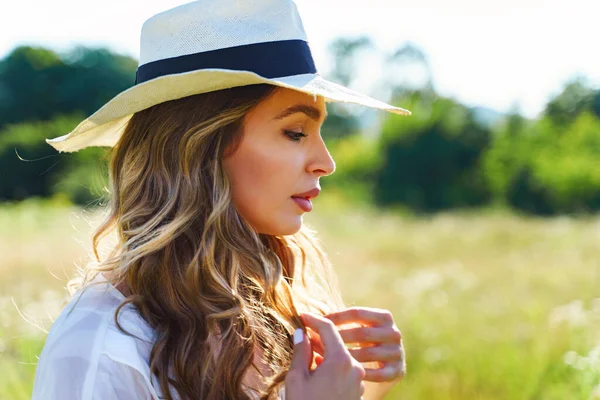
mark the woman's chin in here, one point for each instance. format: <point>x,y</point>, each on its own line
<point>284,228</point>
<point>290,228</point>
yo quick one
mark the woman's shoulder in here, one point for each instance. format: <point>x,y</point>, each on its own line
<point>87,322</point>
<point>84,347</point>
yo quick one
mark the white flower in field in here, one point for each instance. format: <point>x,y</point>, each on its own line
<point>573,314</point>
<point>433,355</point>
<point>581,363</point>
<point>595,308</point>
<point>570,358</point>
<point>594,359</point>
<point>5,312</point>
<point>596,393</point>
<point>459,275</point>
<point>439,299</point>
<point>589,362</point>
<point>412,287</point>
<point>431,280</point>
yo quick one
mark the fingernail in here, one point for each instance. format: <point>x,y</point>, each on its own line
<point>298,336</point>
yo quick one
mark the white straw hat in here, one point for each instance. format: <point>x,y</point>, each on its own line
<point>209,45</point>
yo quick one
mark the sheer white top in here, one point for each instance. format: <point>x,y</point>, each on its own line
<point>86,357</point>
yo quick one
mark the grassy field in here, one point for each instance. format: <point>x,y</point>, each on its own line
<point>491,305</point>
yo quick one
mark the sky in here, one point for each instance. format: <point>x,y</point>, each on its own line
<point>497,54</point>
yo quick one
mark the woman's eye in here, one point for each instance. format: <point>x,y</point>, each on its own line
<point>295,136</point>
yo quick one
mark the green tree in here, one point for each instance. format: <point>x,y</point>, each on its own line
<point>545,167</point>
<point>358,161</point>
<point>30,77</point>
<point>432,162</point>
<point>346,54</point>
<point>568,165</point>
<point>30,167</point>
<point>44,95</point>
<point>507,155</point>
<point>96,76</point>
<point>407,69</point>
<point>37,84</point>
<point>576,98</point>
<point>509,165</point>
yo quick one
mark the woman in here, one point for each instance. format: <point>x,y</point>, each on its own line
<point>213,279</point>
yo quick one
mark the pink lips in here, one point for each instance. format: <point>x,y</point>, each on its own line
<point>303,203</point>
<point>303,199</point>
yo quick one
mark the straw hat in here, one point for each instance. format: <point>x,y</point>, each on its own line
<point>209,45</point>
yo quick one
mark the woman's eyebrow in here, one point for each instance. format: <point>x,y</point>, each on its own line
<point>310,111</point>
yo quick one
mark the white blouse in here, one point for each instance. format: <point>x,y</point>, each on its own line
<point>86,357</point>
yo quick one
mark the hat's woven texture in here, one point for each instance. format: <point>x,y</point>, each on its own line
<point>215,24</point>
<point>221,27</point>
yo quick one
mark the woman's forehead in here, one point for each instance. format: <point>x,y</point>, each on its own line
<point>283,98</point>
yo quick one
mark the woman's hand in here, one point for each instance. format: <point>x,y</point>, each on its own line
<point>338,376</point>
<point>377,342</point>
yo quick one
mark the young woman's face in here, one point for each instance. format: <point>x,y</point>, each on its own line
<point>280,157</point>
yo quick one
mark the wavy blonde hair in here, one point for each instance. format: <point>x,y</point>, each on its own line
<point>212,288</point>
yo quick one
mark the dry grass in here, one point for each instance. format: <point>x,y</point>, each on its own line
<point>491,305</point>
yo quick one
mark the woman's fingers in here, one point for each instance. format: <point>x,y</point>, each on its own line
<point>318,359</point>
<point>336,376</point>
<point>362,315</point>
<point>331,340</point>
<point>379,341</point>
<point>371,335</point>
<point>302,356</point>
<point>315,341</point>
<point>389,372</point>
<point>378,353</point>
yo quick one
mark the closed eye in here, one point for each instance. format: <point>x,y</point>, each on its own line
<point>295,136</point>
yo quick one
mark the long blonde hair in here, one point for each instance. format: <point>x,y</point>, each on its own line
<point>197,271</point>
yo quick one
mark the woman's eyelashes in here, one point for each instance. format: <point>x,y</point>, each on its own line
<point>295,136</point>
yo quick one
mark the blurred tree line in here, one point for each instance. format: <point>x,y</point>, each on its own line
<point>44,95</point>
<point>446,155</point>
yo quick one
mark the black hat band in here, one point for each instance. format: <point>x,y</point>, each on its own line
<point>268,59</point>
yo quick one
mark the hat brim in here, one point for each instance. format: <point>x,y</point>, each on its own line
<point>105,126</point>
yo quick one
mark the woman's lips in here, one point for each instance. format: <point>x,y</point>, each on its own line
<point>303,203</point>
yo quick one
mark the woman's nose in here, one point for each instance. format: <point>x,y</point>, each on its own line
<point>322,163</point>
